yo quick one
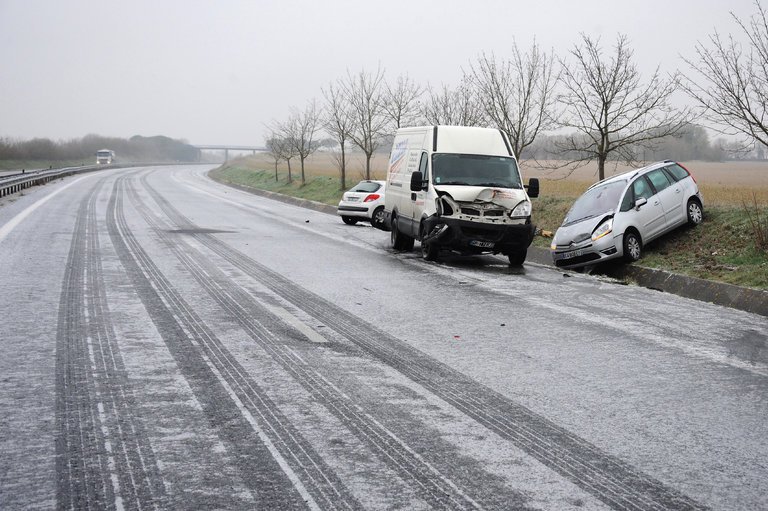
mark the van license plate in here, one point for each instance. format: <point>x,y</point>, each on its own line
<point>482,244</point>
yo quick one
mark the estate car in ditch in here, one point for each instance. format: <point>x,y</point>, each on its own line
<point>616,217</point>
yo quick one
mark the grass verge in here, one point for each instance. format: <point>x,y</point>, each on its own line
<point>723,248</point>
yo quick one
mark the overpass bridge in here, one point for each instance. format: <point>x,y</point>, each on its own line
<point>228,148</point>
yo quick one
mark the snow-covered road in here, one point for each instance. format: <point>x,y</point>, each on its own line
<point>172,343</point>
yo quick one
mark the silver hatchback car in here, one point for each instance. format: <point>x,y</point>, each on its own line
<point>364,201</point>
<point>616,217</point>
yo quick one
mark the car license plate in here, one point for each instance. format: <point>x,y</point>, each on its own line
<point>571,255</point>
<point>354,199</point>
<point>482,244</point>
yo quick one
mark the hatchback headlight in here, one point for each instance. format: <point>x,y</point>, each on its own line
<point>522,209</point>
<point>603,229</point>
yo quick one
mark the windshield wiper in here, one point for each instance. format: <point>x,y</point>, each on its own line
<point>580,219</point>
<point>461,183</point>
<point>497,185</point>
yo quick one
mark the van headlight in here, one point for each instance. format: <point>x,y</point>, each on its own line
<point>603,229</point>
<point>521,210</point>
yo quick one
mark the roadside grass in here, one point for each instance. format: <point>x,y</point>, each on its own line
<point>722,248</point>
<point>323,189</point>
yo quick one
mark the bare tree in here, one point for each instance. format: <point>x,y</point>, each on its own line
<point>402,101</point>
<point>283,147</point>
<point>517,95</point>
<point>731,84</point>
<point>274,146</point>
<point>365,95</point>
<point>303,126</point>
<point>338,122</point>
<point>457,107</point>
<point>609,108</point>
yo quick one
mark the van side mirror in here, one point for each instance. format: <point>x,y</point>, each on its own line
<point>533,187</point>
<point>417,181</point>
<point>642,201</point>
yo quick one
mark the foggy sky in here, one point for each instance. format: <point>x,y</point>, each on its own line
<point>215,72</point>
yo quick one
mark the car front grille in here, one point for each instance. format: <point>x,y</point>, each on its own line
<point>480,212</point>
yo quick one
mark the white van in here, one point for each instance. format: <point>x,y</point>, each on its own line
<point>458,188</point>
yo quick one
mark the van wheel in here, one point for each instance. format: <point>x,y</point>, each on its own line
<point>429,251</point>
<point>517,258</point>
<point>633,248</point>
<point>695,213</point>
<point>349,220</point>
<point>399,240</point>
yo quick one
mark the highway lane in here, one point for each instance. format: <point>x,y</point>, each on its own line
<point>172,343</point>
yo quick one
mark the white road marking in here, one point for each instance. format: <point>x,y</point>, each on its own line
<point>15,221</point>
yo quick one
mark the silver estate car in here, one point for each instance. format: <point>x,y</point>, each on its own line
<point>616,217</point>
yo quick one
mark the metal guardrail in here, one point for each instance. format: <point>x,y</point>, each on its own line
<point>17,182</point>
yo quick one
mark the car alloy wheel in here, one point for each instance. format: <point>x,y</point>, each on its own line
<point>632,247</point>
<point>377,220</point>
<point>695,214</point>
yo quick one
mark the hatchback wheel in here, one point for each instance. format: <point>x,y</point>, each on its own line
<point>377,219</point>
<point>695,213</point>
<point>349,220</point>
<point>633,248</point>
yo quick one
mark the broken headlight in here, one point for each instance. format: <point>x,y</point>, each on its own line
<point>521,210</point>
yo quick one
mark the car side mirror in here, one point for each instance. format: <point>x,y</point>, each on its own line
<point>533,187</point>
<point>642,201</point>
<point>417,181</point>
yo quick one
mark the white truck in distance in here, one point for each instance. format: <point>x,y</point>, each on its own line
<point>458,188</point>
<point>104,157</point>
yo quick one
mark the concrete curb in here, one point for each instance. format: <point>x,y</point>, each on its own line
<point>727,295</point>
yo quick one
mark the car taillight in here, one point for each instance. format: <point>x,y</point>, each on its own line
<point>372,197</point>
<point>688,171</point>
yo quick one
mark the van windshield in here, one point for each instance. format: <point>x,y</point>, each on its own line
<point>475,170</point>
<point>596,201</point>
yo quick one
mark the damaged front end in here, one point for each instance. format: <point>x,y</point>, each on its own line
<point>494,221</point>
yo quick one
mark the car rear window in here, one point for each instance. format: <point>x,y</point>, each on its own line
<point>366,186</point>
<point>677,172</point>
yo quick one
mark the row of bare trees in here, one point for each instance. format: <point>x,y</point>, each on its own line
<point>598,98</point>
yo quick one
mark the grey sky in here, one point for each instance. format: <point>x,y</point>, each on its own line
<point>214,72</point>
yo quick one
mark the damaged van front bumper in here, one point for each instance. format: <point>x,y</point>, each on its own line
<point>468,237</point>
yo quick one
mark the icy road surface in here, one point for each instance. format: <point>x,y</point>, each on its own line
<point>171,343</point>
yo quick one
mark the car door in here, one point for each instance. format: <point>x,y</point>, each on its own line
<point>670,194</point>
<point>418,198</point>
<point>681,181</point>
<point>416,202</point>
<point>649,217</point>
